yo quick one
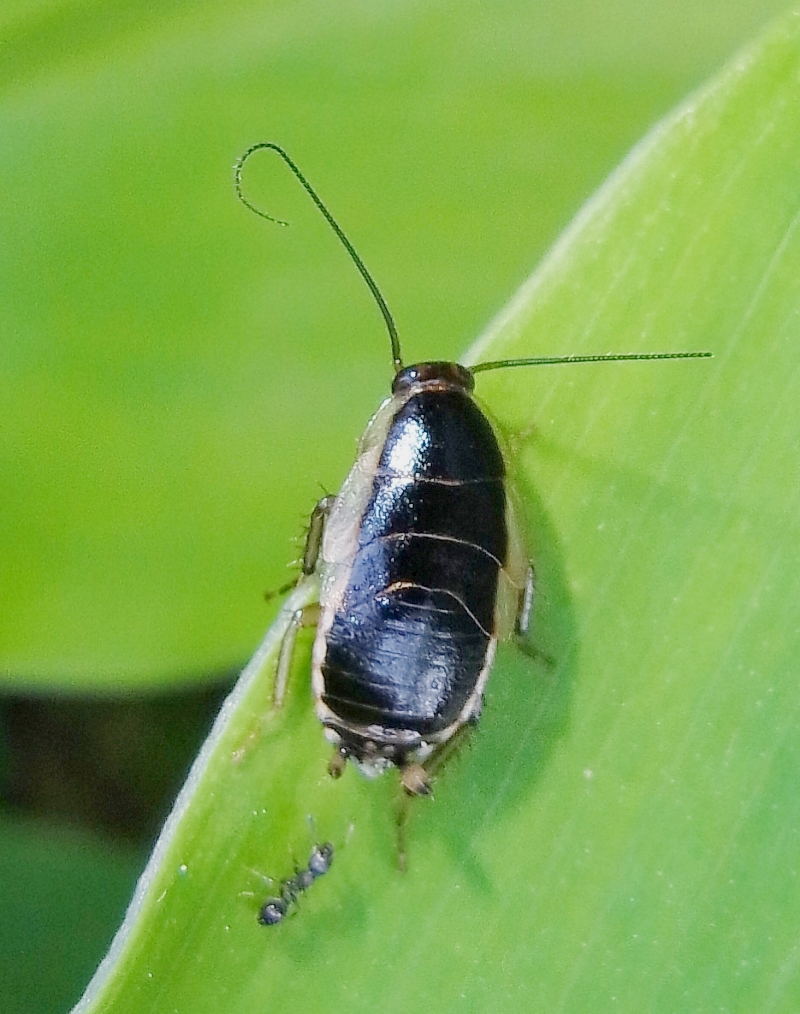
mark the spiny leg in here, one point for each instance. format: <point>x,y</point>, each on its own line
<point>338,763</point>
<point>306,617</point>
<point>440,756</point>
<point>316,529</point>
<point>523,621</point>
<point>416,780</point>
<point>309,615</point>
<point>401,826</point>
<point>313,542</point>
<point>525,605</point>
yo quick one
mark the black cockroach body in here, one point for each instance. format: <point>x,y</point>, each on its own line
<point>422,571</point>
<point>420,562</point>
<point>275,910</point>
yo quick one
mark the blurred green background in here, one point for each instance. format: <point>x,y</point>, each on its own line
<point>180,380</point>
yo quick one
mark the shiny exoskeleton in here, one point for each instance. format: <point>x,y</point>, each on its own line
<point>419,576</point>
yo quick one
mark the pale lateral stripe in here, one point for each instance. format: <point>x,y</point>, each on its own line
<point>403,585</point>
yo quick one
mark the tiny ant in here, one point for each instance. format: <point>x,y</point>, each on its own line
<point>274,910</point>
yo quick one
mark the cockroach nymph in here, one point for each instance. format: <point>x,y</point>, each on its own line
<point>420,559</point>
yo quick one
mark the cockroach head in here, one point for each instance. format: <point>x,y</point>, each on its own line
<point>446,374</point>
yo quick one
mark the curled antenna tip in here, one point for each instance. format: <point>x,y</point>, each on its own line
<point>376,293</point>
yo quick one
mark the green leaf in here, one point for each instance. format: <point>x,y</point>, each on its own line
<point>622,831</point>
<point>168,361</point>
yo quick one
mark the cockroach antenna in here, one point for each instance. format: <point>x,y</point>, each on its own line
<point>373,286</point>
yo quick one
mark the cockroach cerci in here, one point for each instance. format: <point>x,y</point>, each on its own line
<point>420,561</point>
<point>274,910</point>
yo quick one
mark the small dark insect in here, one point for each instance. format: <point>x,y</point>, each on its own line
<point>274,910</point>
<point>419,561</point>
